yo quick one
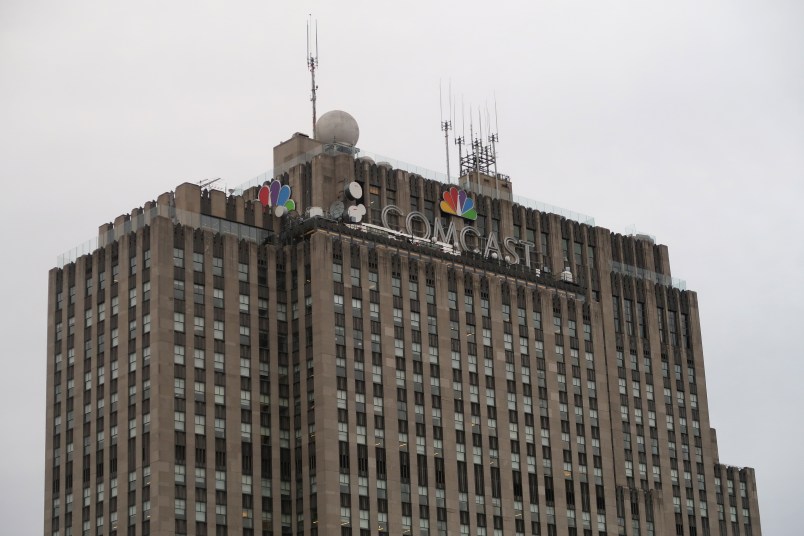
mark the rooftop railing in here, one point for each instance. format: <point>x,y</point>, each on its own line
<point>641,273</point>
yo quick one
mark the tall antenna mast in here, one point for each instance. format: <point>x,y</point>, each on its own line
<point>312,64</point>
<point>446,126</point>
<point>494,138</point>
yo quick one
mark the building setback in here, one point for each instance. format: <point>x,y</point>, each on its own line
<point>240,365</point>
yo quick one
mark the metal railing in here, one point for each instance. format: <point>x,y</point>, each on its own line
<point>641,273</point>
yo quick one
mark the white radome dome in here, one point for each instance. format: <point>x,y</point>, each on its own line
<point>337,126</point>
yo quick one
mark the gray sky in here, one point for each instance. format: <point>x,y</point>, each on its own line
<point>683,118</point>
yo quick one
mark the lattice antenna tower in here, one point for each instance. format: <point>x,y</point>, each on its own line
<point>481,158</point>
<point>312,63</point>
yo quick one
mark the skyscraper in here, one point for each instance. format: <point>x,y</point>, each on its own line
<point>347,347</point>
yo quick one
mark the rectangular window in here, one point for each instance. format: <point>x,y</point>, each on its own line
<point>217,266</point>
<point>685,335</point>
<point>178,258</point>
<point>641,320</point>
<point>629,317</point>
<point>671,322</point>
<point>545,250</point>
<point>616,305</point>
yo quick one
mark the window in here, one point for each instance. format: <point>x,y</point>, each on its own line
<point>660,313</point>
<point>178,257</point>
<point>198,358</point>
<point>629,318</point>
<point>671,321</point>
<point>178,388</point>
<point>200,511</point>
<point>616,305</point>
<point>200,423</point>
<point>178,420</point>
<point>178,322</point>
<point>178,355</point>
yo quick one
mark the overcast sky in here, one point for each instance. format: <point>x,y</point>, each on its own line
<point>682,118</point>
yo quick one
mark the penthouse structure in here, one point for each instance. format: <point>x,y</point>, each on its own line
<point>348,347</point>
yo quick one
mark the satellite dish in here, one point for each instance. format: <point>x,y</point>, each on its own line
<point>356,213</point>
<point>336,209</point>
<point>354,191</point>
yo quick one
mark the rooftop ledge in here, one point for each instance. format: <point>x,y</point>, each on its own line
<point>254,234</point>
<point>415,170</point>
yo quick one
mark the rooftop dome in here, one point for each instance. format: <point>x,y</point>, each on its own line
<point>337,126</point>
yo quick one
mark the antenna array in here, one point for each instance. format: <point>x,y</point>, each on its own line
<point>481,154</point>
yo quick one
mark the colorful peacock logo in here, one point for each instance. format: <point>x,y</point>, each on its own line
<point>278,196</point>
<point>458,203</point>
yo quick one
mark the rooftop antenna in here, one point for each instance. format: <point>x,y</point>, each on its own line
<point>481,150</point>
<point>473,141</point>
<point>206,183</point>
<point>446,126</point>
<point>481,155</point>
<point>494,137</point>
<point>461,140</point>
<point>312,64</point>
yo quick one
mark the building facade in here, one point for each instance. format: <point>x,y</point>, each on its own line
<point>346,350</point>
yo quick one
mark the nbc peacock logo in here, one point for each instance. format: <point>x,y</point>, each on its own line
<point>458,203</point>
<point>276,195</point>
